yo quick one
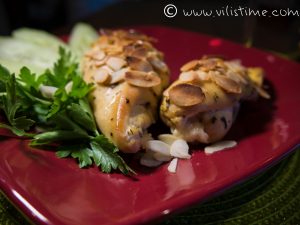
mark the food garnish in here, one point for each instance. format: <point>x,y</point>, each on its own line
<point>56,102</point>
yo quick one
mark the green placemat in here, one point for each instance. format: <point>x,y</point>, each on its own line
<point>270,198</point>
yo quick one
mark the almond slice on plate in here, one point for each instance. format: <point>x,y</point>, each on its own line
<point>219,146</point>
<point>162,158</point>
<point>148,160</point>
<point>167,138</point>
<point>173,165</point>
<point>186,95</point>
<point>190,65</point>
<point>227,84</point>
<point>180,149</point>
<point>158,146</point>
<point>142,79</point>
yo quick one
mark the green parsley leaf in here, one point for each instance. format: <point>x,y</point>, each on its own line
<point>105,155</point>
<point>79,152</point>
<point>66,117</point>
<point>12,106</point>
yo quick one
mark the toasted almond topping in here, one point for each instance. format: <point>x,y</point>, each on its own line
<point>138,64</point>
<point>99,63</point>
<point>186,95</point>
<point>101,76</point>
<point>95,53</point>
<point>118,76</point>
<point>262,92</point>
<point>227,84</point>
<point>115,63</point>
<point>158,64</point>
<point>114,50</point>
<point>136,50</point>
<point>190,65</point>
<point>188,76</point>
<point>203,75</point>
<point>142,79</point>
<point>236,76</point>
<point>99,55</point>
<point>108,69</point>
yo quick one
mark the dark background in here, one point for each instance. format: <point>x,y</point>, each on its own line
<point>279,34</point>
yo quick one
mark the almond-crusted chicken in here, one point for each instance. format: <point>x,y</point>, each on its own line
<point>203,103</point>
<point>129,76</point>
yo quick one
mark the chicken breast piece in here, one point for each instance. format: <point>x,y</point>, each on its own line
<point>202,104</point>
<point>129,76</point>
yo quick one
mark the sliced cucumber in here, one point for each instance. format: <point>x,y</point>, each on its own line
<point>15,66</point>
<point>82,36</point>
<point>16,53</point>
<point>38,37</point>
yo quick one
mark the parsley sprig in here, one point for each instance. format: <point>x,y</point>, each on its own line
<point>65,117</point>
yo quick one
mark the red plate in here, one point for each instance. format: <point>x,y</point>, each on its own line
<point>55,191</point>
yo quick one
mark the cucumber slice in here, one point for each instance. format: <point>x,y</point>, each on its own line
<point>38,37</point>
<point>16,53</point>
<point>82,36</point>
<point>15,66</point>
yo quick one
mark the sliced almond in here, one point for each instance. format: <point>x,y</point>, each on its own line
<point>167,138</point>
<point>142,79</point>
<point>148,160</point>
<point>99,63</point>
<point>138,64</point>
<point>173,165</point>
<point>203,75</point>
<point>118,76</point>
<point>108,69</point>
<point>158,64</point>
<point>186,95</point>
<point>158,146</point>
<point>236,76</point>
<point>219,146</point>
<point>188,76</point>
<point>135,50</point>
<point>227,84</point>
<point>180,149</point>
<point>190,65</point>
<point>95,54</point>
<point>113,50</point>
<point>162,158</point>
<point>115,63</point>
<point>262,92</point>
<point>101,75</point>
<point>99,55</point>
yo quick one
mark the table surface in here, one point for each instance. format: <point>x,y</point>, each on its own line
<point>270,198</point>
